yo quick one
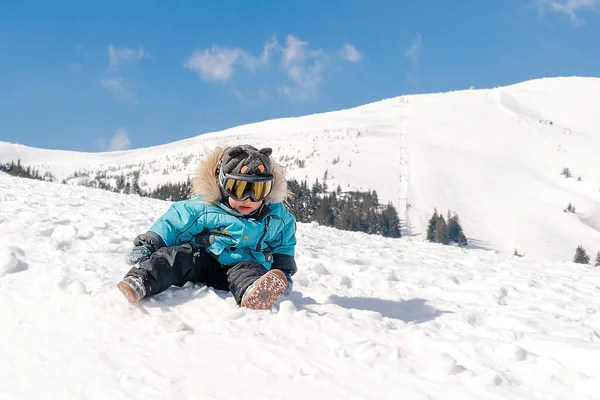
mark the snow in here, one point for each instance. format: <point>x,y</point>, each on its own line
<point>10,260</point>
<point>369,318</point>
<point>490,155</point>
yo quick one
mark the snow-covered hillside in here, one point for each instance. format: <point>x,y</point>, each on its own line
<point>370,318</point>
<point>494,156</point>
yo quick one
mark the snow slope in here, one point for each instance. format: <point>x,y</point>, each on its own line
<point>500,167</point>
<point>491,155</point>
<point>370,318</point>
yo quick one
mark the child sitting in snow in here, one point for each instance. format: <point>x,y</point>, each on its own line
<point>233,234</point>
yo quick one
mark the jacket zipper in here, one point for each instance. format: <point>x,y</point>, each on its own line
<point>259,243</point>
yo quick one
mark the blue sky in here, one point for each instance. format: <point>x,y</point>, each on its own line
<point>97,76</point>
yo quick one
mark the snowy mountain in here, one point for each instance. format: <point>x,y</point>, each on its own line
<point>368,319</point>
<point>494,156</point>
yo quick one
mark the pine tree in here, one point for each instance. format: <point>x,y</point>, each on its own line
<point>295,202</point>
<point>135,186</point>
<point>431,228</point>
<point>120,183</point>
<point>454,228</point>
<point>581,256</point>
<point>344,221</point>
<point>441,231</point>
<point>391,222</point>
<point>317,188</point>
<point>597,263</point>
<point>321,213</point>
<point>462,239</point>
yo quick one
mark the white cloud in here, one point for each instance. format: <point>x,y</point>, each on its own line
<point>271,46</point>
<point>305,80</point>
<point>294,51</point>
<point>218,64</point>
<point>568,7</point>
<point>118,88</point>
<point>117,56</point>
<point>119,141</point>
<point>214,64</point>
<point>350,53</point>
<point>304,66</point>
<point>415,49</point>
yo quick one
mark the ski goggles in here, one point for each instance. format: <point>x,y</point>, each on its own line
<point>241,187</point>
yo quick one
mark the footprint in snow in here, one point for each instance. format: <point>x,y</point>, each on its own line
<point>320,269</point>
<point>11,260</point>
<point>345,281</point>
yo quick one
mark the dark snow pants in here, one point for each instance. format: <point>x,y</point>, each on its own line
<point>177,265</point>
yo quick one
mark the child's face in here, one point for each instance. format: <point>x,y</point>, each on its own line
<point>244,207</point>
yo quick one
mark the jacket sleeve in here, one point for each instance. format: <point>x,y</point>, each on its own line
<point>179,224</point>
<point>285,263</point>
<point>284,249</point>
<point>149,239</point>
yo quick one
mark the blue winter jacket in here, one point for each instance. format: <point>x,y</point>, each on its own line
<point>231,236</point>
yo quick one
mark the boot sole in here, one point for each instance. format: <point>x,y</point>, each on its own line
<point>269,288</point>
<point>128,292</point>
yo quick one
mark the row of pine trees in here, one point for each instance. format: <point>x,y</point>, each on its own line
<point>581,257</point>
<point>16,169</point>
<point>440,231</point>
<point>353,210</point>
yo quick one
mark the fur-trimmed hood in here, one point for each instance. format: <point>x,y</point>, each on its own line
<point>205,185</point>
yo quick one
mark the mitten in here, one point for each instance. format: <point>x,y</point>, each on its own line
<point>138,254</point>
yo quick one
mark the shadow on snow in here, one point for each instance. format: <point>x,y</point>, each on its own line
<point>413,310</point>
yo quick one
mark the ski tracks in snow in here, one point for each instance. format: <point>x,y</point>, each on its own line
<point>369,317</point>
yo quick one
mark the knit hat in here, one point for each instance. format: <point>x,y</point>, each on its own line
<point>247,160</point>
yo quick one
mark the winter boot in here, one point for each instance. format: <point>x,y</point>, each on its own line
<point>132,288</point>
<point>265,290</point>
